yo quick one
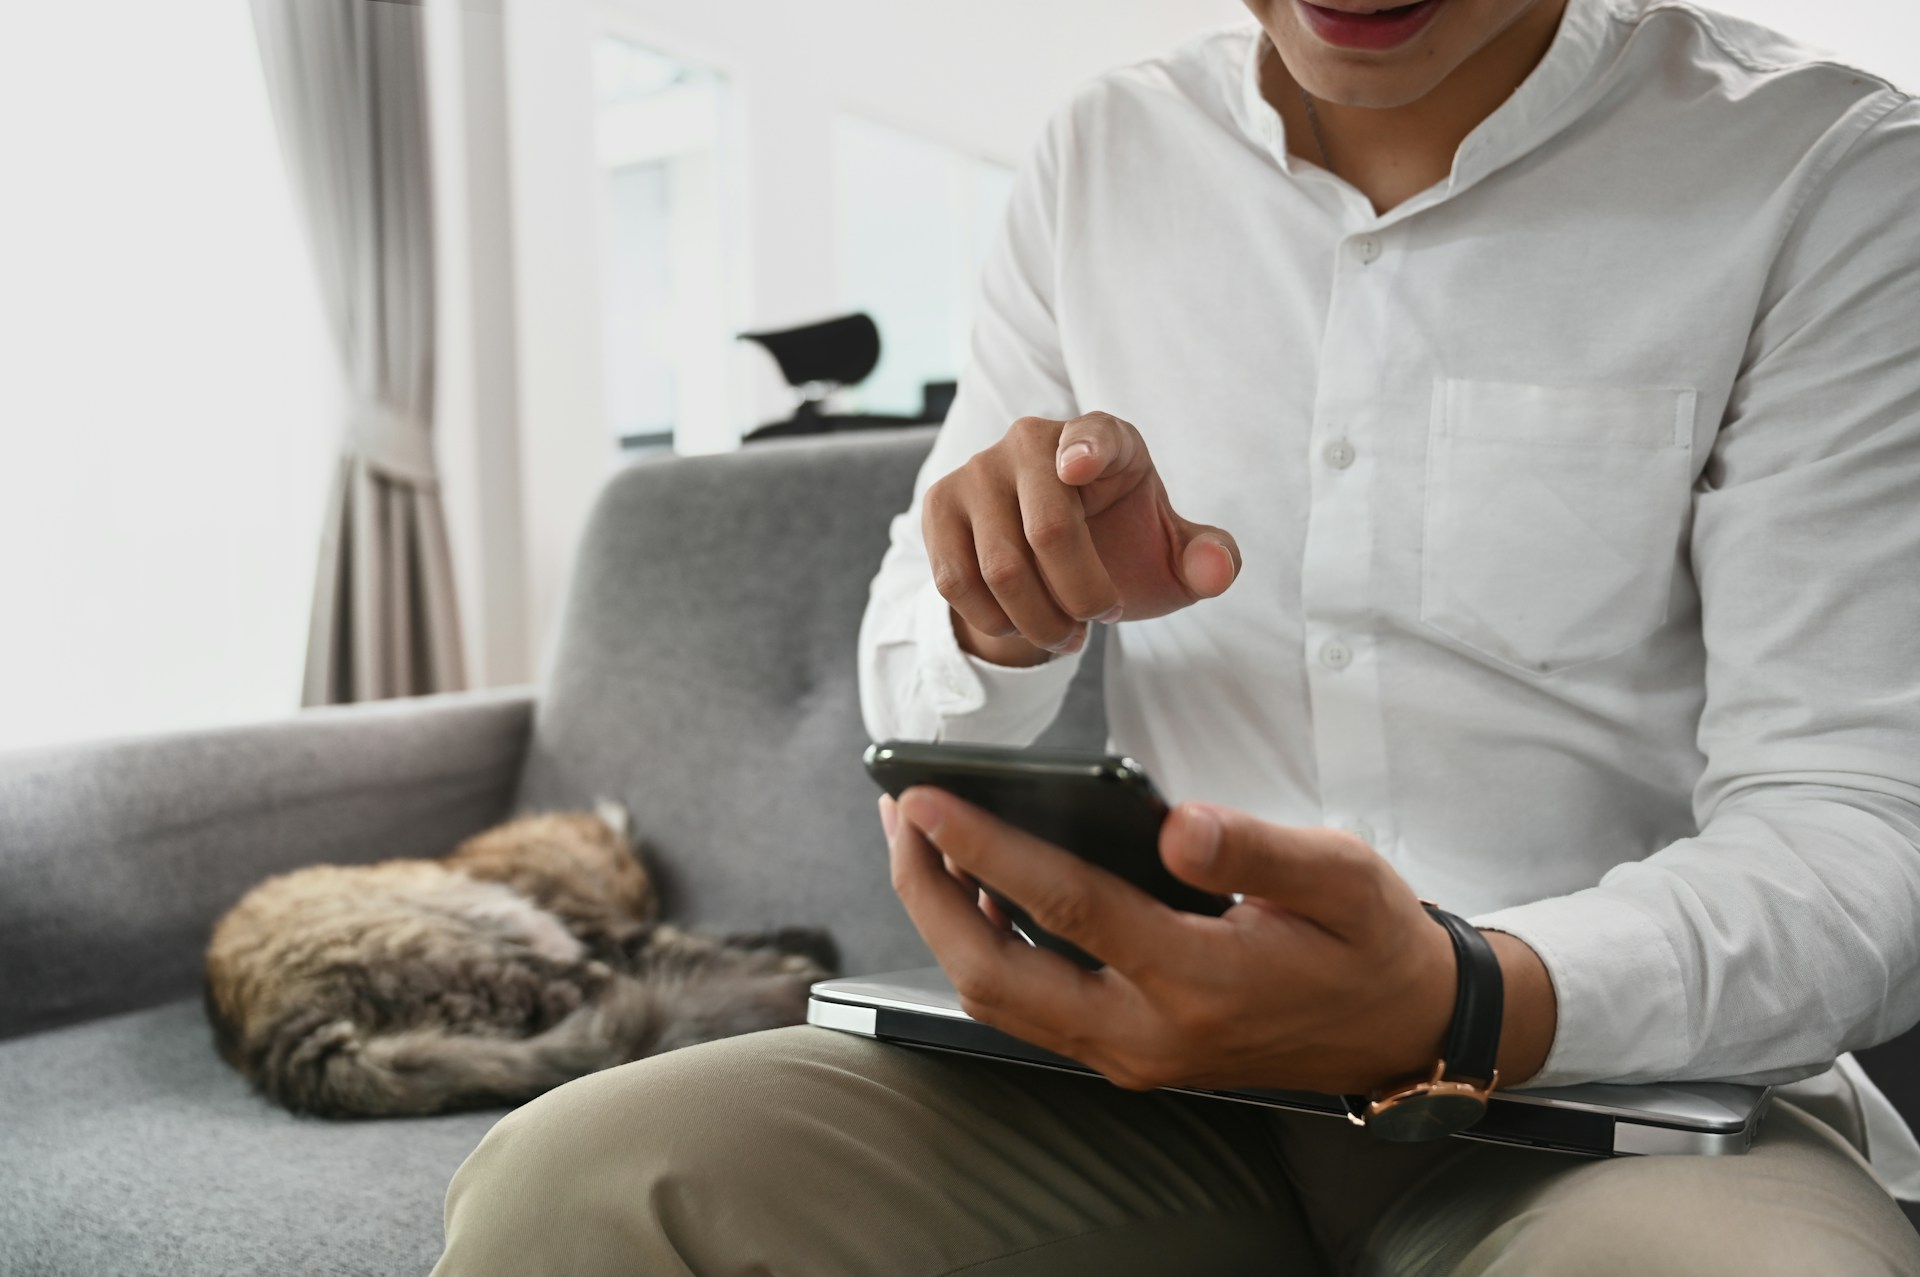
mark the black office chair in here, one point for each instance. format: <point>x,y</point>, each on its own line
<point>818,359</point>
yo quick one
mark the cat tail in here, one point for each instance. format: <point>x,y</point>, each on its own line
<point>419,1071</point>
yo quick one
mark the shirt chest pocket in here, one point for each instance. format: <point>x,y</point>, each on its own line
<point>1554,517</point>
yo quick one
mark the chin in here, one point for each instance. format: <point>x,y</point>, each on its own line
<point>1456,35</point>
<point>1376,86</point>
<point>1377,80</point>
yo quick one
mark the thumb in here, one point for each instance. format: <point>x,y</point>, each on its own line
<point>1209,558</point>
<point>1320,874</point>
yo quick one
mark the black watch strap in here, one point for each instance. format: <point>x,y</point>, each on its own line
<point>1479,1001</point>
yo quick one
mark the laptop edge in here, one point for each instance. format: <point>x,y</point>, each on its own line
<point>917,1008</point>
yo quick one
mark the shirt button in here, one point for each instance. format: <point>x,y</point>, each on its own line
<point>1366,248</point>
<point>1362,830</point>
<point>1339,454</point>
<point>1336,655</point>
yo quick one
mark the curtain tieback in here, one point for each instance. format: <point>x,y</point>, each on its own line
<point>397,444</point>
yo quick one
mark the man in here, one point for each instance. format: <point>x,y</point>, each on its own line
<point>1548,373</point>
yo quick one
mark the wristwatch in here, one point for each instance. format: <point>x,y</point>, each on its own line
<point>1456,1095</point>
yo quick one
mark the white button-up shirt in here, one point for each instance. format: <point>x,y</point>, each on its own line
<point>1579,498</point>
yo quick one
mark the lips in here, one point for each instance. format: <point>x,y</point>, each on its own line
<point>1373,11</point>
<point>1374,27</point>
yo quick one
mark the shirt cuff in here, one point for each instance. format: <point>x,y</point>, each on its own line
<point>975,699</point>
<point>1617,980</point>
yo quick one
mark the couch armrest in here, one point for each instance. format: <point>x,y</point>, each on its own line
<point>117,857</point>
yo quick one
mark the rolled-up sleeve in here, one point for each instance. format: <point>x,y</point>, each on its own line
<point>915,681</point>
<point>1788,930</point>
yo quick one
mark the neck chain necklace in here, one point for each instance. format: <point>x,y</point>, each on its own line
<point>1319,138</point>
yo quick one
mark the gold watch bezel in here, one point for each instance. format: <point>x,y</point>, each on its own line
<point>1427,1109</point>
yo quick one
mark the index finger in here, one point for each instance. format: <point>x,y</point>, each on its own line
<point>1055,524</point>
<point>1112,444</point>
<point>1103,914</point>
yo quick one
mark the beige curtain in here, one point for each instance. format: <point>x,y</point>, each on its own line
<point>347,79</point>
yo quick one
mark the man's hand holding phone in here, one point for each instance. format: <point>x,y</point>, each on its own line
<point>1059,524</point>
<point>1328,976</point>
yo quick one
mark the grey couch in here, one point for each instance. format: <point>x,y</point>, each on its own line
<point>704,674</point>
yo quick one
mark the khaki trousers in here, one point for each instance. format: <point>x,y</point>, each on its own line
<point>804,1151</point>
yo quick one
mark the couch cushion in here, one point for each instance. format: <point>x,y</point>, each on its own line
<point>706,675</point>
<point>126,1145</point>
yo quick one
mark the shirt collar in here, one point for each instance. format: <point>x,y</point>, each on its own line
<point>1257,116</point>
<point>1549,99</point>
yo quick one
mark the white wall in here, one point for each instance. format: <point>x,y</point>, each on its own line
<point>477,377</point>
<point>1881,36</point>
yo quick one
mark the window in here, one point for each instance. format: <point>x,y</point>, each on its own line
<point>664,230</point>
<point>170,406</point>
<point>914,222</point>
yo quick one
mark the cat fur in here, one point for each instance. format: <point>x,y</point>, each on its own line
<point>530,956</point>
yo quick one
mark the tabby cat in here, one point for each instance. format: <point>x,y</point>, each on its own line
<point>530,956</point>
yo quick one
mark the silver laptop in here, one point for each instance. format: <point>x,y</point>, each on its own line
<point>919,1008</point>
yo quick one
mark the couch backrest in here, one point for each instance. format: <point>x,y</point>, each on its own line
<point>117,856</point>
<point>705,675</point>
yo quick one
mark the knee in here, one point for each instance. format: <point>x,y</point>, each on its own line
<point>596,1167</point>
<point>1612,1234</point>
<point>1785,1211</point>
<point>1697,1237</point>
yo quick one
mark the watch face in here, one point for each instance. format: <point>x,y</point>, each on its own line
<point>1426,1116</point>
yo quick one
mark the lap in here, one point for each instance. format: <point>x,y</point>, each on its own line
<point>802,1150</point>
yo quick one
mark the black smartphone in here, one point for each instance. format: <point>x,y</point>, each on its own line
<point>1100,807</point>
